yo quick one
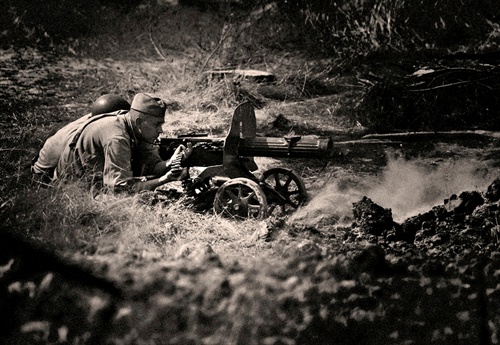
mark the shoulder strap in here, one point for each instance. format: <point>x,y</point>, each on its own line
<point>92,119</point>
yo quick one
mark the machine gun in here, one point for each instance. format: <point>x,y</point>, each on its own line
<point>227,180</point>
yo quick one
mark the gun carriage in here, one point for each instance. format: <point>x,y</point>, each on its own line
<point>228,181</point>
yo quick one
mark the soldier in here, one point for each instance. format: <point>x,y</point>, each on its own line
<point>113,148</point>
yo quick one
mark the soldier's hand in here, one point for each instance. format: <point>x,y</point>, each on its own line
<point>188,149</point>
<point>177,175</point>
<point>181,153</point>
<point>184,151</point>
<point>174,175</point>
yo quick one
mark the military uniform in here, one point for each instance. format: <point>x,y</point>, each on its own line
<point>112,150</point>
<point>105,151</point>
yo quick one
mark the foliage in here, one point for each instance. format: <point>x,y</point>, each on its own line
<point>363,26</point>
<point>339,28</point>
<point>43,23</point>
<point>445,98</point>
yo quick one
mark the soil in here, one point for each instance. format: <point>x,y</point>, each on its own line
<point>398,245</point>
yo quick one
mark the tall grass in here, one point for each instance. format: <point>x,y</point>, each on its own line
<point>362,26</point>
<point>71,219</point>
<point>335,27</point>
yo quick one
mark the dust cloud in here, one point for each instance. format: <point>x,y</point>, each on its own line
<point>406,187</point>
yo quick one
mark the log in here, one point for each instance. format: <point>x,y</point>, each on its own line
<point>424,135</point>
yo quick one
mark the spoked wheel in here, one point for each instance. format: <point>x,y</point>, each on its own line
<point>284,188</point>
<point>240,198</point>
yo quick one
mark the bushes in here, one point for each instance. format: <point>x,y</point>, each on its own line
<point>47,22</point>
<point>441,99</point>
<point>362,26</point>
<point>338,27</point>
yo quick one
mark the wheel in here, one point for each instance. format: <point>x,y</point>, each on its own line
<point>283,188</point>
<point>240,198</point>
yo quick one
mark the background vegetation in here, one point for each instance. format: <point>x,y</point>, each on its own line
<point>339,28</point>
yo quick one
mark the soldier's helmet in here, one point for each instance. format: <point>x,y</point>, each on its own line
<point>109,103</point>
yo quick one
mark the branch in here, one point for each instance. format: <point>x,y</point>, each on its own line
<point>155,46</point>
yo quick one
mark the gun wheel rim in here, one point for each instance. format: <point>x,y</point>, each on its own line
<point>240,198</point>
<point>288,190</point>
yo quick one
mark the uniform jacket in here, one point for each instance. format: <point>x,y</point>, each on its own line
<point>106,152</point>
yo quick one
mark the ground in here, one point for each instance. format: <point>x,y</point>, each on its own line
<point>387,251</point>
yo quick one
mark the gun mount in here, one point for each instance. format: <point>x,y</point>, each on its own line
<point>227,180</point>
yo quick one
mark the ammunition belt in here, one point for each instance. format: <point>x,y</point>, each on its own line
<point>175,167</point>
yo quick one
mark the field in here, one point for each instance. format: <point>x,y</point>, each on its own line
<point>398,243</point>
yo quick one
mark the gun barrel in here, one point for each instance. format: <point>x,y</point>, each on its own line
<point>292,147</point>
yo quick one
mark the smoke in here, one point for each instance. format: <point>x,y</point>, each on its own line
<point>412,187</point>
<point>331,205</point>
<point>406,187</point>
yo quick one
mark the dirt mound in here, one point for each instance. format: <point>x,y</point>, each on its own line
<point>463,222</point>
<point>371,217</point>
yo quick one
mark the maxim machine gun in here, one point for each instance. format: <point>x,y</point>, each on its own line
<point>227,181</point>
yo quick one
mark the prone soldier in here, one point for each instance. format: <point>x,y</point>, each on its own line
<point>113,147</point>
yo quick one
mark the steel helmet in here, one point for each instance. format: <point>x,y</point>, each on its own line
<point>109,103</point>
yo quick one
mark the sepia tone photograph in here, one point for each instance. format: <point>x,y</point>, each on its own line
<point>250,172</point>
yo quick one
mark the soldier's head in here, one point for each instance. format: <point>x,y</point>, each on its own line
<point>109,103</point>
<point>147,114</point>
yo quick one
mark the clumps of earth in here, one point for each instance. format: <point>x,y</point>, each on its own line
<point>463,222</point>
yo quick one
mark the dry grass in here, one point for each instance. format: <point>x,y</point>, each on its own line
<point>71,218</point>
